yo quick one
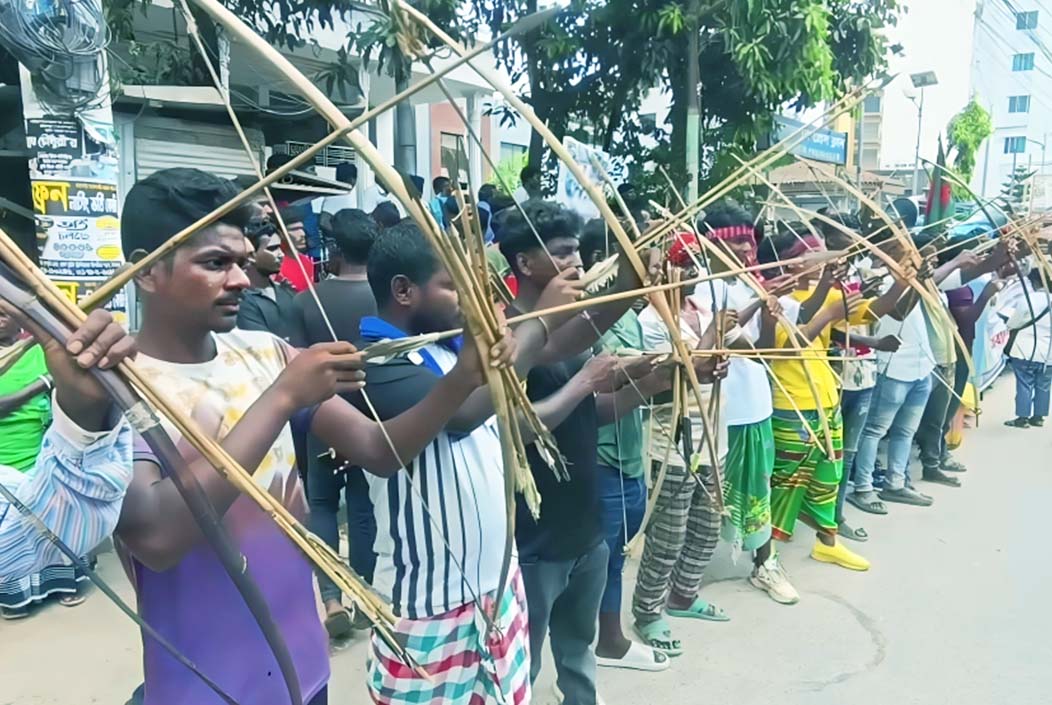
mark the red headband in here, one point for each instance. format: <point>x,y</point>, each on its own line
<point>733,232</point>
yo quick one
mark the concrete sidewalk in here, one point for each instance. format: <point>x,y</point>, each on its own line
<point>953,611</point>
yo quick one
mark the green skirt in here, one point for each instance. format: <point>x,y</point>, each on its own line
<point>747,485</point>
<point>805,479</point>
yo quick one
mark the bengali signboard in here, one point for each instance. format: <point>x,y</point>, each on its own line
<point>821,145</point>
<point>73,176</point>
<point>569,191</point>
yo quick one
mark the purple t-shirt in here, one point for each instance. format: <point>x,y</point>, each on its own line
<point>195,604</point>
<point>198,608</point>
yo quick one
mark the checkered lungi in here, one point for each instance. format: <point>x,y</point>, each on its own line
<point>449,648</point>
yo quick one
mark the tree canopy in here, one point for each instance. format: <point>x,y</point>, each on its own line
<point>587,72</point>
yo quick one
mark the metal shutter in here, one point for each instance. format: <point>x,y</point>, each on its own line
<point>162,143</point>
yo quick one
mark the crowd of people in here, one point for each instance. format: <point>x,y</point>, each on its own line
<point>818,377</point>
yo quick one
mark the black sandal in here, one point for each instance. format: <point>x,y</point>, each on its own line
<point>847,532</point>
<point>1038,421</point>
<point>940,478</point>
<point>1018,423</point>
<point>872,504</point>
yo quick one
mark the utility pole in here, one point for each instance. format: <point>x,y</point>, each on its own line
<point>693,142</point>
<point>916,151</point>
<point>920,81</point>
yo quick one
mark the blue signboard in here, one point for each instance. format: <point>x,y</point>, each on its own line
<point>821,145</point>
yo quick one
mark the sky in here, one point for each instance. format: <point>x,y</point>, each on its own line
<point>936,35</point>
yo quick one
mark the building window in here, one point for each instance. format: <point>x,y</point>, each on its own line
<point>1026,20</point>
<point>871,104</point>
<point>1019,104</point>
<point>454,159</point>
<point>510,150</point>
<point>1023,62</point>
<point>1015,145</point>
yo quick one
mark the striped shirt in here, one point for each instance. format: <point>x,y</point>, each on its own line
<point>76,489</point>
<point>441,523</point>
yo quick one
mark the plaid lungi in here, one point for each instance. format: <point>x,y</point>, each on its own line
<point>449,647</point>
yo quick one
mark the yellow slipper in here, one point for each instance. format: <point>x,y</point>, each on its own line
<point>839,554</point>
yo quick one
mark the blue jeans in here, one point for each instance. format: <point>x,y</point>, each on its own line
<point>1032,383</point>
<point>854,408</point>
<point>323,497</point>
<point>895,410</point>
<point>617,508</point>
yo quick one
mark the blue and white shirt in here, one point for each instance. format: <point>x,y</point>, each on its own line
<point>76,489</point>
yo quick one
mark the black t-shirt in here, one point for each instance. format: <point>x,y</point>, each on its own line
<point>569,525</point>
<point>345,302</point>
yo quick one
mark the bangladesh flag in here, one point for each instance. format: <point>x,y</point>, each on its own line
<point>940,195</point>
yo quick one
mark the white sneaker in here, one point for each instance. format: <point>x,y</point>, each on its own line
<point>771,578</point>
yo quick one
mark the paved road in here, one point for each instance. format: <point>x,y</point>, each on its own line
<point>952,612</point>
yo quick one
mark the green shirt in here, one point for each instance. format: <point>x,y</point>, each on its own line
<point>22,430</point>
<point>621,443</point>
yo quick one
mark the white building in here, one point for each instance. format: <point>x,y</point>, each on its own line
<point>1012,79</point>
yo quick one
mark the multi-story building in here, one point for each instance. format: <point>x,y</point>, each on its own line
<point>1012,79</point>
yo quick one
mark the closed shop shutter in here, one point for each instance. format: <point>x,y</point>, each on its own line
<point>164,143</point>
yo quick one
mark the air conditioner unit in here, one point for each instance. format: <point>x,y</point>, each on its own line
<point>328,156</point>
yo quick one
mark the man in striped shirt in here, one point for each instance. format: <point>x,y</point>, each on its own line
<point>84,466</point>
<point>441,524</point>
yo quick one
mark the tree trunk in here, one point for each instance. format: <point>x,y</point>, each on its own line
<point>678,113</point>
<point>405,136</point>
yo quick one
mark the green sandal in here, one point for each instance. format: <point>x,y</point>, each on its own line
<point>658,636</point>
<point>700,609</point>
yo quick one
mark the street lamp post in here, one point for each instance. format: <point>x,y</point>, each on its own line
<point>920,81</point>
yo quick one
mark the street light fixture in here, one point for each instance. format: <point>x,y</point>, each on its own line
<point>920,81</point>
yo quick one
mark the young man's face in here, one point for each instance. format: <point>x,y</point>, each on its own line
<point>268,255</point>
<point>436,304</point>
<point>743,250</point>
<point>537,264</point>
<point>201,285</point>
<point>298,235</point>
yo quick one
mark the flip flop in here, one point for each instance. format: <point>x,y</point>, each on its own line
<point>874,506</point>
<point>637,658</point>
<point>941,479</point>
<point>339,625</point>
<point>847,532</point>
<point>912,497</point>
<point>658,636</point>
<point>71,600</point>
<point>699,609</point>
<point>13,613</point>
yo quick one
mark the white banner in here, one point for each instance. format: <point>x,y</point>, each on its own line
<point>570,193</point>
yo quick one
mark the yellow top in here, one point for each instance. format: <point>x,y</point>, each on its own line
<point>793,373</point>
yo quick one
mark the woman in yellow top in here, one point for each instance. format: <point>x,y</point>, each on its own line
<point>805,478</point>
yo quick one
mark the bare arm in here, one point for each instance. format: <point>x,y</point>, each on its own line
<point>612,406</point>
<point>582,331</point>
<point>814,303</point>
<point>363,441</point>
